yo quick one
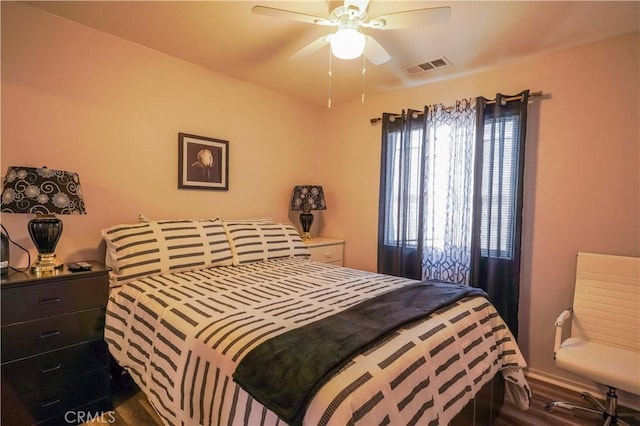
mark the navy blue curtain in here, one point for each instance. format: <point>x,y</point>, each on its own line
<point>498,196</point>
<point>400,233</point>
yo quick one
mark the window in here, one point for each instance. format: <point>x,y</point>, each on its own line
<point>499,184</point>
<point>406,213</point>
<point>438,168</point>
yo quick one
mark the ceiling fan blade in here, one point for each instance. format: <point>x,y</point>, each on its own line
<point>411,18</point>
<point>288,14</point>
<point>360,4</point>
<point>374,52</point>
<point>310,48</point>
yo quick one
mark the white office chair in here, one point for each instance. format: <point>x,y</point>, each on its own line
<point>604,345</point>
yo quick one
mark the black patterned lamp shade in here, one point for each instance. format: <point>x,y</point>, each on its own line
<point>307,198</point>
<point>45,193</point>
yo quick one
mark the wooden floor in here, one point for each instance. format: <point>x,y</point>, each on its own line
<point>536,415</point>
<point>132,408</point>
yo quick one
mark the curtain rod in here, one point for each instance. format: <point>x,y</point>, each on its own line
<point>536,94</point>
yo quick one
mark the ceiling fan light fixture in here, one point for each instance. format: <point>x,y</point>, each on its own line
<point>347,43</point>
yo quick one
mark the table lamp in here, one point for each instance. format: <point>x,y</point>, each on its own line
<point>307,198</point>
<point>45,193</point>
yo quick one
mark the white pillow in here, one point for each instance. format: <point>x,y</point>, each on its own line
<point>151,248</point>
<point>143,219</point>
<point>259,242</point>
<point>249,220</point>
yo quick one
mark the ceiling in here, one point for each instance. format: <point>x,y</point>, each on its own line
<point>225,36</point>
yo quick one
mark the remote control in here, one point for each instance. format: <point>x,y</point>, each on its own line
<point>79,266</point>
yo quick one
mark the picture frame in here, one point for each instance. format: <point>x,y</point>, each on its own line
<point>203,163</point>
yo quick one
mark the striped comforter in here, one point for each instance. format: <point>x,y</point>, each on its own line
<point>181,336</point>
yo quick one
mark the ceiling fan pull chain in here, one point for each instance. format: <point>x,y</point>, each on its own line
<point>364,71</point>
<point>329,101</point>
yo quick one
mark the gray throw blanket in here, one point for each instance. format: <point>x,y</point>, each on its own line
<point>286,371</point>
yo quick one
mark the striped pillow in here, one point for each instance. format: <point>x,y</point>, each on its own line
<point>250,220</point>
<point>259,242</point>
<point>157,247</point>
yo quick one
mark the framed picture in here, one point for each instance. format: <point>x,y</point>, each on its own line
<point>203,163</point>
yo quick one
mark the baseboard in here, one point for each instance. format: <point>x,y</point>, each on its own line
<point>624,399</point>
<point>560,381</point>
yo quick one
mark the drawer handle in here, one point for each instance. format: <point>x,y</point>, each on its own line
<point>49,403</point>
<point>327,255</point>
<point>45,370</point>
<point>49,301</point>
<point>47,334</point>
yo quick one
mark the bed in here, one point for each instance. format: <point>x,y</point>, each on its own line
<point>192,300</point>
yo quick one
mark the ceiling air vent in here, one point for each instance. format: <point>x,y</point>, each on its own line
<point>437,63</point>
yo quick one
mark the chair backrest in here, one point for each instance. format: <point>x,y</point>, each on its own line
<point>606,305</point>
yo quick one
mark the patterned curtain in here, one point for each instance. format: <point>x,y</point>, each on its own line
<point>448,191</point>
<point>497,225</point>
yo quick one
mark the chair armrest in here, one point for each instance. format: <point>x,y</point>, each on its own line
<point>565,315</point>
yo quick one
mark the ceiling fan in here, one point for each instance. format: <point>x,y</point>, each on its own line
<point>348,42</point>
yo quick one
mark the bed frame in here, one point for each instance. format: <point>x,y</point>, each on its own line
<point>485,407</point>
<point>481,410</point>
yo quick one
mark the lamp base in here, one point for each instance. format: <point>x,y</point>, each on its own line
<point>46,262</point>
<point>306,220</point>
<point>45,231</point>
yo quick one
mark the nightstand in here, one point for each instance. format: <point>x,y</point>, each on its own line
<point>54,363</point>
<point>326,250</point>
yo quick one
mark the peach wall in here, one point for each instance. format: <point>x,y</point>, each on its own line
<point>582,187</point>
<point>77,99</point>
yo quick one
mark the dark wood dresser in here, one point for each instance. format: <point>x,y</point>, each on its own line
<point>54,364</point>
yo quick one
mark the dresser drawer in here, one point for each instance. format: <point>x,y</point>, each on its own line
<point>328,253</point>
<point>44,403</point>
<point>34,337</point>
<point>52,298</point>
<point>58,366</point>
